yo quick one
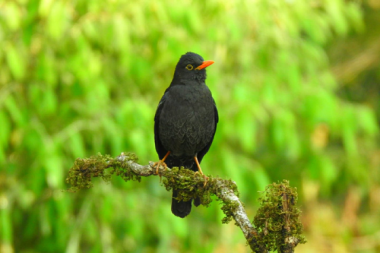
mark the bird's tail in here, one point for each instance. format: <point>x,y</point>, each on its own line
<point>180,208</point>
<point>183,208</point>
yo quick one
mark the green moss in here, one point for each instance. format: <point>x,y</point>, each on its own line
<point>189,184</point>
<point>278,217</point>
<point>104,166</point>
<point>228,208</point>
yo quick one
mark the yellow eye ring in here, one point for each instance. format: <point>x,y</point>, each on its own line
<point>189,67</point>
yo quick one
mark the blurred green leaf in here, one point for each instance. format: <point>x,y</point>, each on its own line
<point>6,225</point>
<point>329,173</point>
<point>56,21</point>
<point>355,16</point>
<point>4,130</point>
<point>14,111</point>
<point>77,145</point>
<point>53,168</point>
<point>366,119</point>
<point>44,7</point>
<point>245,124</point>
<point>12,15</point>
<point>261,178</point>
<point>15,61</point>
<point>334,9</point>
<point>49,102</point>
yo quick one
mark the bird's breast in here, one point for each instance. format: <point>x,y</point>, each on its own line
<point>187,121</point>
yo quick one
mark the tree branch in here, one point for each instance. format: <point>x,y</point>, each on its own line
<point>191,185</point>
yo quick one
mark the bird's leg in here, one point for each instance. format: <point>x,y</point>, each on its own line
<point>161,162</point>
<point>200,170</point>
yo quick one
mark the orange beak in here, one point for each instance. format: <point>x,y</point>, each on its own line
<point>204,65</point>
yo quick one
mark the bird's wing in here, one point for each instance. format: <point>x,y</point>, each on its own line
<point>159,147</point>
<point>205,149</point>
<point>216,115</point>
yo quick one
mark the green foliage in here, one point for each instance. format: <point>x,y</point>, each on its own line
<point>82,77</point>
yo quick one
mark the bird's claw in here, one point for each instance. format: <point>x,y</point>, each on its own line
<point>204,177</point>
<point>158,164</point>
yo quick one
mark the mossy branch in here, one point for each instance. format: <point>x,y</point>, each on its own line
<point>276,225</point>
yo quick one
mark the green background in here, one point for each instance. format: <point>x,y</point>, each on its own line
<point>296,82</point>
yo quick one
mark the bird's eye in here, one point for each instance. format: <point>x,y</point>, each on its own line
<point>189,67</point>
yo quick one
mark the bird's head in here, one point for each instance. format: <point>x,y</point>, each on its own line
<point>191,66</point>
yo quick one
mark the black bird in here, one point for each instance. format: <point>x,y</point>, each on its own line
<point>185,121</point>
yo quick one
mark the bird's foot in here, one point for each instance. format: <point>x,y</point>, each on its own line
<point>158,164</point>
<point>204,177</point>
<point>161,162</point>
